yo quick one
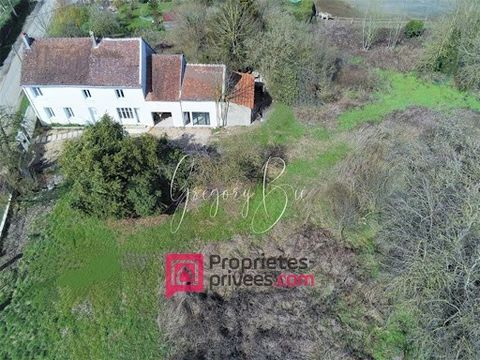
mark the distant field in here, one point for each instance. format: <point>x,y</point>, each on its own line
<point>337,8</point>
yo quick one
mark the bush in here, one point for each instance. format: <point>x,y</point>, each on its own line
<point>414,28</point>
<point>112,174</point>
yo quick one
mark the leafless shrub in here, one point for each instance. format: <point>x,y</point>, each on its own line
<point>344,205</point>
<point>419,174</point>
<point>395,32</point>
<point>431,235</point>
<point>370,25</point>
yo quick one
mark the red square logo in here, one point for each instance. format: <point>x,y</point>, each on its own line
<point>183,273</point>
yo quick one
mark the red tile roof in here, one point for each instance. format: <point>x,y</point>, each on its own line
<point>243,89</point>
<point>116,62</point>
<point>165,77</point>
<point>75,61</point>
<point>203,82</point>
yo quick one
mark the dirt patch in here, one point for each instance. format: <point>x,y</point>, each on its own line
<point>20,227</point>
<point>267,322</point>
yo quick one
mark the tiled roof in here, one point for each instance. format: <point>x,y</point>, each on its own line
<point>203,82</point>
<point>165,78</point>
<point>243,89</point>
<point>75,61</point>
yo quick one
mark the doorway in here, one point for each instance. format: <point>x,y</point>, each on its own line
<point>161,118</point>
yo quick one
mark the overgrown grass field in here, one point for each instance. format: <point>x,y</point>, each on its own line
<point>92,289</point>
<point>406,90</point>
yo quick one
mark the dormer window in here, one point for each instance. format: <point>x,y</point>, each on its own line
<point>36,91</point>
<point>119,93</point>
<point>86,93</point>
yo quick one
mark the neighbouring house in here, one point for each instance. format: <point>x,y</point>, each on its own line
<point>77,80</point>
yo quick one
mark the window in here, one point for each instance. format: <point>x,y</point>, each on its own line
<point>136,114</point>
<point>119,93</point>
<point>201,118</point>
<point>93,114</point>
<point>36,91</point>
<point>49,112</point>
<point>125,113</point>
<point>87,93</point>
<point>186,118</point>
<point>68,112</point>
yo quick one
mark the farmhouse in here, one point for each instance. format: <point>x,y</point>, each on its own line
<point>77,80</point>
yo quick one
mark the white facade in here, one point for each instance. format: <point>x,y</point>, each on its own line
<point>55,105</point>
<point>238,115</point>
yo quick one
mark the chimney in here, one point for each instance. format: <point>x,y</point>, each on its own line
<point>95,41</point>
<point>27,40</point>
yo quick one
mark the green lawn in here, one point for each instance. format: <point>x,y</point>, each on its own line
<point>140,18</point>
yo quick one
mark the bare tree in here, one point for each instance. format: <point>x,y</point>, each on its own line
<point>370,24</point>
<point>395,31</point>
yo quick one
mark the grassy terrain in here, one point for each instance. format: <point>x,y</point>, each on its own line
<point>91,288</point>
<point>303,10</point>
<point>102,279</point>
<point>141,18</point>
<point>405,91</point>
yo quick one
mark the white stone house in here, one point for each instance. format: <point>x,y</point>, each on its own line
<point>75,81</point>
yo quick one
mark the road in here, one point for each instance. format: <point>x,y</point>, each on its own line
<point>35,25</point>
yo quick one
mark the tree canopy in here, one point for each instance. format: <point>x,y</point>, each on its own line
<point>113,174</point>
